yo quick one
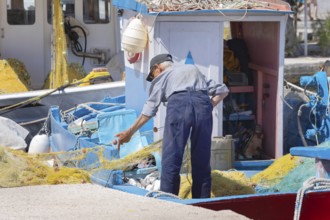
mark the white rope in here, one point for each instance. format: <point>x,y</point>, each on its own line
<point>89,108</point>
<point>299,89</point>
<point>160,193</point>
<point>32,122</point>
<point>97,103</point>
<point>311,184</point>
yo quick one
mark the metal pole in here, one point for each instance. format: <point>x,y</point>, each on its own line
<point>305,29</point>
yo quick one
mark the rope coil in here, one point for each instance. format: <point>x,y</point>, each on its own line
<point>311,184</point>
<point>156,194</point>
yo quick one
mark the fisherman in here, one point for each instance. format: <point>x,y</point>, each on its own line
<point>190,100</point>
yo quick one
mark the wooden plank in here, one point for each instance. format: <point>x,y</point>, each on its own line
<point>259,98</point>
<point>263,70</point>
<point>241,89</point>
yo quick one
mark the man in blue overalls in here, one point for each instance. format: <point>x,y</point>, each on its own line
<point>190,100</point>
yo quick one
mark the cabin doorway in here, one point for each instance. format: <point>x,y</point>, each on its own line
<point>252,112</point>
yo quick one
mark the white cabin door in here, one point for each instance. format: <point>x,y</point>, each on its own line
<point>204,41</point>
<point>22,35</point>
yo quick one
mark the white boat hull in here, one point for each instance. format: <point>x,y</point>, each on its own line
<point>66,99</point>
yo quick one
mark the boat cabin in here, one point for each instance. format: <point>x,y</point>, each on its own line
<point>241,47</point>
<point>82,45</point>
<point>26,34</point>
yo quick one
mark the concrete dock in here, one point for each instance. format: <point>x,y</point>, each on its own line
<point>296,67</point>
<point>88,201</point>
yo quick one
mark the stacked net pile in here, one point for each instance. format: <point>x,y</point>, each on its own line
<point>13,76</point>
<point>294,180</point>
<point>286,174</point>
<point>224,183</point>
<point>19,169</point>
<point>75,72</point>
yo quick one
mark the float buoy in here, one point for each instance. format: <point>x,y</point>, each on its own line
<point>135,36</point>
<point>39,144</point>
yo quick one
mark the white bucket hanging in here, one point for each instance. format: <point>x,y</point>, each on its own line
<point>135,36</point>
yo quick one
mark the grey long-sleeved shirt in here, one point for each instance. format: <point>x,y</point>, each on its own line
<point>179,78</point>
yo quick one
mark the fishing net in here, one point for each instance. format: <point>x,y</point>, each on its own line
<point>14,76</point>
<point>59,70</point>
<point>285,174</point>
<point>294,180</point>
<point>75,73</point>
<point>132,159</point>
<point>186,5</point>
<point>324,144</point>
<point>18,168</point>
<point>224,183</point>
<point>276,171</point>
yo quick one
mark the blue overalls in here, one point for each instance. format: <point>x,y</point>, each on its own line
<point>188,113</point>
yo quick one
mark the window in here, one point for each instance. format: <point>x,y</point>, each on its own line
<point>96,11</point>
<point>21,12</point>
<point>67,8</point>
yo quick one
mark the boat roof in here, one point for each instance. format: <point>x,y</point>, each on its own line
<point>227,7</point>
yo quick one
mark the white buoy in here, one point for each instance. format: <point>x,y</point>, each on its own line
<point>39,144</point>
<point>135,36</point>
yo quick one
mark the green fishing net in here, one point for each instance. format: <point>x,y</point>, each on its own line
<point>294,180</point>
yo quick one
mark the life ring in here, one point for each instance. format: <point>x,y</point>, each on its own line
<point>133,57</point>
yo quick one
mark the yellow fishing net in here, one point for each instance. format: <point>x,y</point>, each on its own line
<point>128,161</point>
<point>75,73</point>
<point>59,71</point>
<point>18,168</point>
<point>13,76</point>
<point>277,171</point>
<point>224,183</point>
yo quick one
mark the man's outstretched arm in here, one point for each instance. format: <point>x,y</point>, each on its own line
<point>125,136</point>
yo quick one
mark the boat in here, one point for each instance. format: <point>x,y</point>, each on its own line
<point>196,36</point>
<point>31,39</point>
<point>82,133</point>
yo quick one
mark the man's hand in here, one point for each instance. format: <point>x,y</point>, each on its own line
<point>123,137</point>
<point>217,99</point>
